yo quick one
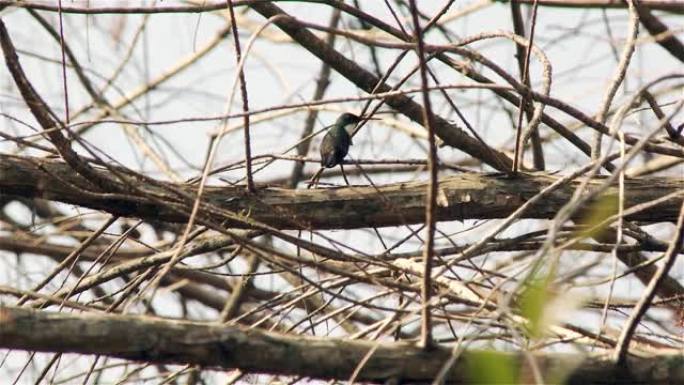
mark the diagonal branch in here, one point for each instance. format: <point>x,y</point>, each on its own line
<point>621,350</point>
<point>449,133</point>
<point>46,118</point>
<point>666,38</point>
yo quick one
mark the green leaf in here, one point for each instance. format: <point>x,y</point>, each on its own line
<point>489,367</point>
<point>532,304</point>
<point>598,210</point>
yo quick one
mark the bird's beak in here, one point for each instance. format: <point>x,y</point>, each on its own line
<point>369,118</point>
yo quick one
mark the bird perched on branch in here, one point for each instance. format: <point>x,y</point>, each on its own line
<point>337,140</point>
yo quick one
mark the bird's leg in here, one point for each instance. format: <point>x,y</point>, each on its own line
<point>344,175</point>
<point>314,179</point>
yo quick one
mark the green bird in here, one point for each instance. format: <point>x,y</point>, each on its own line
<point>337,140</point>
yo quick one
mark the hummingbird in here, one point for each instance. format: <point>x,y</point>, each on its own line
<point>337,140</point>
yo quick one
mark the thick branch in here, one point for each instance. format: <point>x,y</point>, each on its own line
<point>466,196</point>
<point>666,38</point>
<point>250,350</point>
<point>46,118</point>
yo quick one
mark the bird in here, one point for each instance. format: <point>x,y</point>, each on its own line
<point>337,140</point>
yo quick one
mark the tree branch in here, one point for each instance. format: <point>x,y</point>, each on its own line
<point>664,5</point>
<point>230,347</point>
<point>466,196</point>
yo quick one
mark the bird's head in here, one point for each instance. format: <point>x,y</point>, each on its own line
<point>347,121</point>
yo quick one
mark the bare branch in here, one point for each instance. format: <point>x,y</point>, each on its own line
<point>229,347</point>
<point>469,196</point>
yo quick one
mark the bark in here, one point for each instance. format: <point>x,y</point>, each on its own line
<point>231,347</point>
<point>463,196</point>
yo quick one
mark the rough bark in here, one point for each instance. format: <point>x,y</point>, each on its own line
<point>230,347</point>
<point>463,196</point>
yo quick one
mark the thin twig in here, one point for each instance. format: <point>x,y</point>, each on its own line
<point>64,76</point>
<point>431,201</point>
<point>232,306</point>
<point>525,79</point>
<point>618,77</point>
<point>192,218</point>
<point>523,59</point>
<point>245,99</point>
<point>674,134</point>
<point>47,118</point>
<point>620,352</point>
<point>664,5</point>
<point>322,84</point>
<point>71,258</point>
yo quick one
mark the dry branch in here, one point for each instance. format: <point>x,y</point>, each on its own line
<point>229,347</point>
<point>469,196</point>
